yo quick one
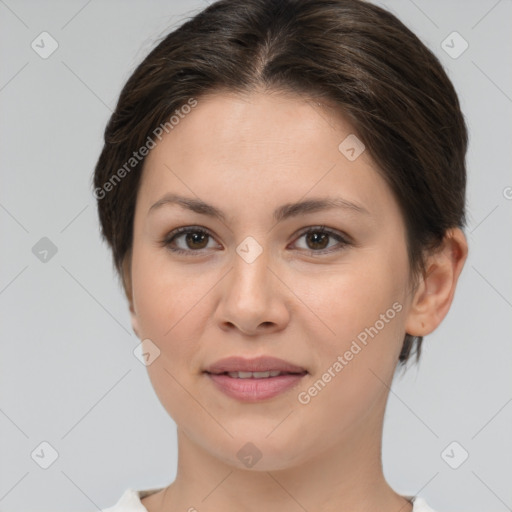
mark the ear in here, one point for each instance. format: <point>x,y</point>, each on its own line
<point>434,294</point>
<point>128,290</point>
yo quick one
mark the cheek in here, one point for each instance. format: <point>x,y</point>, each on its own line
<point>365,311</point>
<point>164,296</point>
<point>171,311</point>
<point>364,305</point>
<point>353,298</point>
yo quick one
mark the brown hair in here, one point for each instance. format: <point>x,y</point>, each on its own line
<point>350,53</point>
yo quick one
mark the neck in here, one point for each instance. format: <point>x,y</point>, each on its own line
<point>346,477</point>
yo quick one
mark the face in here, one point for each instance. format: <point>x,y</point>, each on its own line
<point>325,289</point>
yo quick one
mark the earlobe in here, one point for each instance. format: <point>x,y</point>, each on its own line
<point>434,294</point>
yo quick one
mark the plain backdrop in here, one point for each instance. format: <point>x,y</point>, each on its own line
<point>68,375</point>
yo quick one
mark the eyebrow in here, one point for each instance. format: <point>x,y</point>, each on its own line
<point>285,211</point>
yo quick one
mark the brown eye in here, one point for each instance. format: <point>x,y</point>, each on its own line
<point>196,240</point>
<point>318,240</point>
<point>187,240</point>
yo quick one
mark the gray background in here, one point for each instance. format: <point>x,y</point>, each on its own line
<point>67,372</point>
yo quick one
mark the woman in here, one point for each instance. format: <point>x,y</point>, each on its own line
<point>283,188</point>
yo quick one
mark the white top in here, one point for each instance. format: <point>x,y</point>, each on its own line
<point>130,502</point>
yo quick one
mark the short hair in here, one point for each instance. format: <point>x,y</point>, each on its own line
<point>351,53</point>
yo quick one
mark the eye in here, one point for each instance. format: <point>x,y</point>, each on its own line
<point>194,239</point>
<point>187,240</point>
<point>317,240</point>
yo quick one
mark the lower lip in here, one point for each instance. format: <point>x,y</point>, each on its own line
<point>254,390</point>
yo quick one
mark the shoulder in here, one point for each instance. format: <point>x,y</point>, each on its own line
<point>130,501</point>
<point>420,505</point>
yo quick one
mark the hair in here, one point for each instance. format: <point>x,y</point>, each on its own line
<point>350,53</point>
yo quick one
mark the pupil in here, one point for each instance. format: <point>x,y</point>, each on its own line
<point>192,238</point>
<point>314,238</point>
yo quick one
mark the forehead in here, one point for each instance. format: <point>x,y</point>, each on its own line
<point>257,148</point>
<point>273,118</point>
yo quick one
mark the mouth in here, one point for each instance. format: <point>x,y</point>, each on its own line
<point>258,367</point>
<point>257,375</point>
<point>251,388</point>
<point>253,380</point>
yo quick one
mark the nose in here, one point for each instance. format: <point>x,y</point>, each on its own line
<point>253,298</point>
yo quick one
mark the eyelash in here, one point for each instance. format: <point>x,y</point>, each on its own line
<point>166,242</point>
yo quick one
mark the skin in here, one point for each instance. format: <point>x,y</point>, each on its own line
<point>247,155</point>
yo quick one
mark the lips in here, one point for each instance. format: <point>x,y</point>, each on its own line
<point>255,389</point>
<point>258,364</point>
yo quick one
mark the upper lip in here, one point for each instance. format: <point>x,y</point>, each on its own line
<point>257,364</point>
